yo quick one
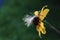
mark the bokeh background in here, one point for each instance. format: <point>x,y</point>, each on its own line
<point>12,26</point>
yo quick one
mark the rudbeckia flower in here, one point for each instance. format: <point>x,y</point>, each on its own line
<point>37,20</point>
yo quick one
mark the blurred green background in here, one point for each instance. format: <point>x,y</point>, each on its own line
<point>12,26</point>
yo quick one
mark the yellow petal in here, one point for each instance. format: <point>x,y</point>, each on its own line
<point>36,13</point>
<point>42,29</point>
<point>43,13</point>
<point>38,30</point>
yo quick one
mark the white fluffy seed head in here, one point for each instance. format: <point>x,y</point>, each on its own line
<point>28,20</point>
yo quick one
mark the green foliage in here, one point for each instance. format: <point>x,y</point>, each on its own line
<point>12,26</point>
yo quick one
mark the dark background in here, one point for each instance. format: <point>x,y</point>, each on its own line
<point>12,26</point>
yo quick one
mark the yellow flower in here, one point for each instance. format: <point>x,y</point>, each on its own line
<point>40,27</point>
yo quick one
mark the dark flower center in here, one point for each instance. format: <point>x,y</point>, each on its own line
<point>36,21</point>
